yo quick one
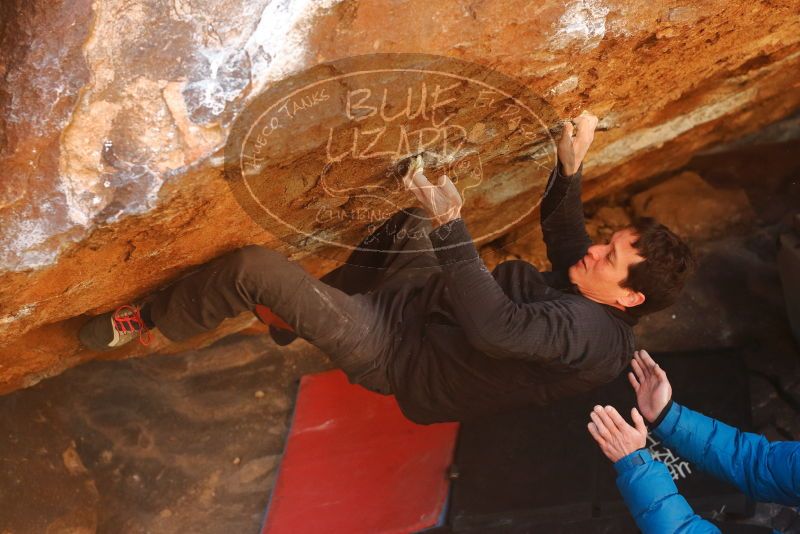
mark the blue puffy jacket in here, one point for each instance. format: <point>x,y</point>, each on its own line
<point>763,471</point>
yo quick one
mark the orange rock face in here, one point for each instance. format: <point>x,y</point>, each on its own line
<point>691,207</point>
<point>115,114</point>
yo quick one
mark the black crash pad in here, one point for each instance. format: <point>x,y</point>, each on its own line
<point>789,269</point>
<point>538,470</point>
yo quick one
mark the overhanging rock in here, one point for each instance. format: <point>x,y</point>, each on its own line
<point>115,116</point>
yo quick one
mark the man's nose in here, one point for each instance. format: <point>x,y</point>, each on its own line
<point>596,251</point>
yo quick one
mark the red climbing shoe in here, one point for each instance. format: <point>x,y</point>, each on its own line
<point>114,329</point>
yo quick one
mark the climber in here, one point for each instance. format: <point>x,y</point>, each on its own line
<point>763,471</point>
<point>415,313</point>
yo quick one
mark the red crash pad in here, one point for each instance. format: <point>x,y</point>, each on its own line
<point>353,463</point>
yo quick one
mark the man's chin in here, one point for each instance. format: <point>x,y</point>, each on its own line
<point>572,272</point>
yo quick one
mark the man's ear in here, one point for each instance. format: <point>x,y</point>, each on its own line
<point>631,298</point>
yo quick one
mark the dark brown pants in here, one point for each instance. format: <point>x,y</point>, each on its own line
<point>350,314</point>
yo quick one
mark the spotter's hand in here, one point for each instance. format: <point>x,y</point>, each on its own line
<point>649,381</point>
<point>614,435</point>
<point>441,201</point>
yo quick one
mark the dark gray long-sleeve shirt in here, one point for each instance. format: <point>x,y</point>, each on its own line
<point>476,342</point>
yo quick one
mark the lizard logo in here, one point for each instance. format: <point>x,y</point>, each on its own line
<point>318,159</point>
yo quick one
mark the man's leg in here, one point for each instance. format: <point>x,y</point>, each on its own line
<point>347,328</point>
<point>397,253</point>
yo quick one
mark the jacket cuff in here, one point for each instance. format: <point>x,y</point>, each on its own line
<point>557,190</point>
<point>569,176</point>
<point>661,416</point>
<point>632,461</point>
<point>668,420</point>
<point>558,183</point>
<point>452,242</point>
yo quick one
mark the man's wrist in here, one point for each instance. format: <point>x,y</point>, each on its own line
<point>661,415</point>
<point>565,172</point>
<point>437,222</point>
<point>452,243</point>
<point>631,461</point>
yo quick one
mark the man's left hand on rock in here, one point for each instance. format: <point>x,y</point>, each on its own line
<point>442,201</point>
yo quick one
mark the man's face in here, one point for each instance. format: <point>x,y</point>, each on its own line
<point>600,272</point>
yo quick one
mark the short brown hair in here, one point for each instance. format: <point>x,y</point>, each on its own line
<point>666,266</point>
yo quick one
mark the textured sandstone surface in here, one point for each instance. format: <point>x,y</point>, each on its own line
<point>708,213</point>
<point>114,116</point>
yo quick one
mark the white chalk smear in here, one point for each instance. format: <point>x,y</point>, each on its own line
<point>583,21</point>
<point>277,48</point>
<point>22,245</point>
<point>24,311</point>
<point>564,86</point>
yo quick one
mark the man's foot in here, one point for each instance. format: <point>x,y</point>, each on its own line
<point>113,329</point>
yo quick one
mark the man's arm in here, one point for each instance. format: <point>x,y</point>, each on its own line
<point>653,499</point>
<point>563,224</point>
<point>764,471</point>
<point>552,330</point>
<point>562,220</point>
<point>645,485</point>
